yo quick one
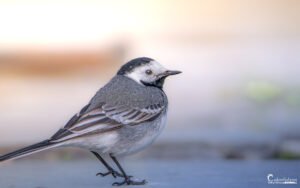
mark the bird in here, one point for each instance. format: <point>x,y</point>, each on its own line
<point>125,116</point>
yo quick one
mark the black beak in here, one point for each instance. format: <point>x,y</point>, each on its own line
<point>169,73</point>
<point>160,79</point>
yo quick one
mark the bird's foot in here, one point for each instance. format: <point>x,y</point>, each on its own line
<point>129,181</point>
<point>113,172</point>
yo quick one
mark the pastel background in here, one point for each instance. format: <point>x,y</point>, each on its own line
<point>238,96</point>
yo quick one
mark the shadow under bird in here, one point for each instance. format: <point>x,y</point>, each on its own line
<point>124,116</point>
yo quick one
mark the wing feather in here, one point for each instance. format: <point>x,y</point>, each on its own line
<point>105,118</point>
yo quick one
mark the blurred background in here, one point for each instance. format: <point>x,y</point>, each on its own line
<point>238,96</point>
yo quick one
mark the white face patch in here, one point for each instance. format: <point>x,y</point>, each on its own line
<point>139,74</point>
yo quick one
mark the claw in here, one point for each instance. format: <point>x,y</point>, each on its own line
<point>104,174</point>
<point>128,181</point>
<point>114,173</point>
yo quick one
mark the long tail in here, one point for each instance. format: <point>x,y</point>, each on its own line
<point>46,144</point>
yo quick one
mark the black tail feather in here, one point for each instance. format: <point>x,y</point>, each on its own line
<point>27,150</point>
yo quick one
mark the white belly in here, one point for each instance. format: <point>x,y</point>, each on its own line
<point>146,140</point>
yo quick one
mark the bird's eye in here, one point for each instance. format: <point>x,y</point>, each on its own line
<point>149,72</point>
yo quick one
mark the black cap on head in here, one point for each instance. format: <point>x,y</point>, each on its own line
<point>129,66</point>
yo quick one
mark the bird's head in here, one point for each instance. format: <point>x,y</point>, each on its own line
<point>146,71</point>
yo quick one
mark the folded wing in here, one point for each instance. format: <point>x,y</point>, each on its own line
<point>105,118</point>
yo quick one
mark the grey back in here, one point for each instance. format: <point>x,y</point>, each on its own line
<point>122,90</point>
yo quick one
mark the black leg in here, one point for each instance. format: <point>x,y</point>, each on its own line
<point>127,179</point>
<point>111,171</point>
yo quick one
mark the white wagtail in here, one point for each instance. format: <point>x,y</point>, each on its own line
<point>124,116</point>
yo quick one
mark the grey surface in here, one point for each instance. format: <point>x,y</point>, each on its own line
<point>78,174</point>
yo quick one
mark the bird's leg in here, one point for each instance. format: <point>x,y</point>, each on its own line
<point>111,171</point>
<point>127,179</point>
